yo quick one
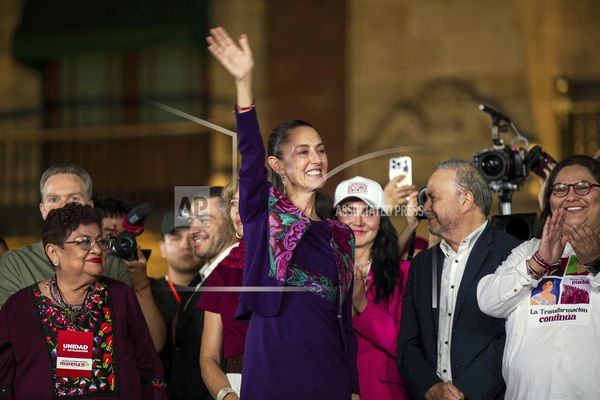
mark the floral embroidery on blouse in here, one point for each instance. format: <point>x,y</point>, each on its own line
<point>96,317</point>
<point>315,283</point>
<point>287,225</point>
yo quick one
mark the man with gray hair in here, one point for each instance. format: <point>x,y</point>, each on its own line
<point>448,348</point>
<point>59,185</point>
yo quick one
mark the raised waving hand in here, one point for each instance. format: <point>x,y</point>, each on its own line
<point>235,57</point>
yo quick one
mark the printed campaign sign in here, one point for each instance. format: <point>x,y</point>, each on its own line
<point>74,354</point>
<point>563,298</point>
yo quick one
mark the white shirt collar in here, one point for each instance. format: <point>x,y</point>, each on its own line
<point>468,241</point>
<point>208,268</point>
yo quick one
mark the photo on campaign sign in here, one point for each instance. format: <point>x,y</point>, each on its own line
<point>576,290</point>
<point>546,292</point>
<point>576,287</point>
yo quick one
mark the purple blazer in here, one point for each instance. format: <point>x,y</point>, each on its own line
<point>275,365</point>
<point>377,330</point>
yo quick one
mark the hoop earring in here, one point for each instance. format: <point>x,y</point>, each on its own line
<point>237,235</point>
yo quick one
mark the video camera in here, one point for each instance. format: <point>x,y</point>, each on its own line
<point>124,245</point>
<point>506,167</point>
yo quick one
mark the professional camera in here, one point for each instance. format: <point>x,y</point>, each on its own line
<point>503,167</point>
<point>511,164</point>
<point>506,167</point>
<point>124,245</point>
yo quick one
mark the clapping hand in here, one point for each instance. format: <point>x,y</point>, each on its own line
<point>236,58</point>
<point>554,237</point>
<point>585,242</point>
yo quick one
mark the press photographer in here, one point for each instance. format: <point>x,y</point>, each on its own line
<point>125,245</point>
<point>121,224</point>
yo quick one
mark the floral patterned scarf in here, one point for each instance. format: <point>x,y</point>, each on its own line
<point>287,225</point>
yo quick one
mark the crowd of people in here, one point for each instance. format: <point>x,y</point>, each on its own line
<point>273,292</point>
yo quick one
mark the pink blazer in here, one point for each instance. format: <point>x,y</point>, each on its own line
<point>377,330</point>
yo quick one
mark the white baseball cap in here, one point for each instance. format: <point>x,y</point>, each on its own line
<point>361,188</point>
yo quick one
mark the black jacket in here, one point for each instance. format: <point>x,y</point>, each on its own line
<point>477,339</point>
<point>181,352</point>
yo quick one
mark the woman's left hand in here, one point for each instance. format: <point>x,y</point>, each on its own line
<point>585,242</point>
<point>359,293</point>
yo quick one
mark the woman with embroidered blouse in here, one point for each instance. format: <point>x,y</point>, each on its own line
<point>300,342</point>
<point>77,334</point>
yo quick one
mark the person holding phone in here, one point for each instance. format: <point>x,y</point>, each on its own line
<point>300,342</point>
<point>379,280</point>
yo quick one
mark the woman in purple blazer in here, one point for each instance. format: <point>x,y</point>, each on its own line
<point>379,281</point>
<point>300,343</point>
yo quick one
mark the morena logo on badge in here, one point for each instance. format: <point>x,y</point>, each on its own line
<point>74,363</point>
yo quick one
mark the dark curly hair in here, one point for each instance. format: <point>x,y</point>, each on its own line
<point>61,222</point>
<point>385,256</point>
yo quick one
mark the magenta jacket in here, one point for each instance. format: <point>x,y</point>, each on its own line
<point>377,330</point>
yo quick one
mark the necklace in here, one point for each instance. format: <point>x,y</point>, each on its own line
<point>364,271</point>
<point>73,311</point>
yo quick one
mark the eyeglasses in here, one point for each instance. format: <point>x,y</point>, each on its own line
<point>581,188</point>
<point>86,243</point>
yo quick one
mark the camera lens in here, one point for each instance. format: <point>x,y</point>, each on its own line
<point>492,165</point>
<point>124,246</point>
